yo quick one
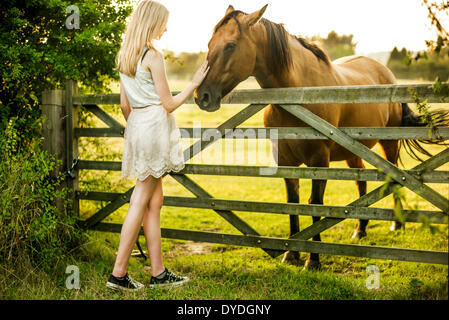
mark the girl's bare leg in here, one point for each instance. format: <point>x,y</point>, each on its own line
<point>152,230</point>
<point>139,200</point>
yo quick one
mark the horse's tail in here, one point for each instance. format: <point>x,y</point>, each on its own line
<point>434,118</point>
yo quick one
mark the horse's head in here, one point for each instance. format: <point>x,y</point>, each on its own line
<point>231,56</point>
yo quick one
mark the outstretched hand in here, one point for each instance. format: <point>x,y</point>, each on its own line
<point>200,74</point>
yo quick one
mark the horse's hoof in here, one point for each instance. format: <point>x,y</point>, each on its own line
<point>359,234</point>
<point>312,265</point>
<point>292,257</point>
<point>395,226</point>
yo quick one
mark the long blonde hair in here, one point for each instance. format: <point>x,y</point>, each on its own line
<point>147,22</point>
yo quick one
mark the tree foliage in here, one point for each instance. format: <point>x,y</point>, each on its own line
<point>434,65</point>
<point>38,52</point>
<point>184,64</point>
<point>438,11</point>
<point>335,45</point>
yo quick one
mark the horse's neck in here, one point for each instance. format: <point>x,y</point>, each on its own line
<point>306,70</point>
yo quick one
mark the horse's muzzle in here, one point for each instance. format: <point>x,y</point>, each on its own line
<point>208,100</point>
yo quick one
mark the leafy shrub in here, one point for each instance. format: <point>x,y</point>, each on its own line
<point>38,52</point>
<point>32,229</point>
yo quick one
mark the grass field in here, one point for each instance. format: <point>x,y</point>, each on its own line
<point>231,272</point>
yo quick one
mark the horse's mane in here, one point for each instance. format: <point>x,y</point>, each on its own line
<point>279,51</point>
<point>228,17</point>
<point>277,48</point>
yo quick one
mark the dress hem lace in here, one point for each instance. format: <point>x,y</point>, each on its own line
<point>155,173</point>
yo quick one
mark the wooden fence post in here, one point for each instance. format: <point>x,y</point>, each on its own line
<point>53,132</point>
<point>72,141</point>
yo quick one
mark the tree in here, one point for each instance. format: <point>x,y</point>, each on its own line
<point>434,65</point>
<point>437,11</point>
<point>38,52</point>
<point>184,64</point>
<point>397,55</point>
<point>335,45</point>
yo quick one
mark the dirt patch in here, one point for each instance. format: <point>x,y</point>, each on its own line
<point>192,248</point>
<point>188,248</point>
<point>197,247</point>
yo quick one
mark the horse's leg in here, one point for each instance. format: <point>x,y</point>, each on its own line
<point>317,196</point>
<point>357,162</point>
<point>285,157</point>
<point>292,186</point>
<point>391,149</point>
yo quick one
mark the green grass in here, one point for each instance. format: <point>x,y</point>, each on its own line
<point>231,272</point>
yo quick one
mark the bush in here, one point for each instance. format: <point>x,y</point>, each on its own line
<point>32,229</point>
<point>38,52</point>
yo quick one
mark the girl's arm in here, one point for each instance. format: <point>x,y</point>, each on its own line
<point>124,102</point>
<point>169,102</point>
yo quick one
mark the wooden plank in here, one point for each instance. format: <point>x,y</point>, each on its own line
<point>307,95</point>
<point>354,250</point>
<point>100,165</point>
<point>343,212</point>
<point>99,132</point>
<point>307,173</point>
<point>366,154</point>
<point>280,171</point>
<point>390,133</point>
<point>303,133</point>
<point>434,163</point>
<point>316,228</point>
<point>91,99</point>
<point>104,116</point>
<point>72,141</point>
<point>54,136</point>
<point>333,95</point>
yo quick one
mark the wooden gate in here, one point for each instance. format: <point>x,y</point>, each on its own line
<point>290,99</point>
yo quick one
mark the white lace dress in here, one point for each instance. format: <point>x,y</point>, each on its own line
<point>152,144</point>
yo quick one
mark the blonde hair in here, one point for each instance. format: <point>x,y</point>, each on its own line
<point>148,21</point>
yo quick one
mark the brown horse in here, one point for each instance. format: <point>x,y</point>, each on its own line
<point>244,45</point>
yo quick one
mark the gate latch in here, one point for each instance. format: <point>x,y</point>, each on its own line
<point>74,164</point>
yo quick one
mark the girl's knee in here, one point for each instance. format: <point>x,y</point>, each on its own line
<point>139,201</point>
<point>156,202</point>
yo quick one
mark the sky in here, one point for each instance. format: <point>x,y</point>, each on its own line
<point>377,25</point>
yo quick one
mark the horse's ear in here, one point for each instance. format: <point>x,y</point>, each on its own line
<point>229,10</point>
<point>255,16</point>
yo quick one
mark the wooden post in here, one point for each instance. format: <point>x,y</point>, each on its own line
<point>72,122</point>
<point>53,132</point>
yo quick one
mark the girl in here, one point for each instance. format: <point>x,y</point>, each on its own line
<point>152,144</point>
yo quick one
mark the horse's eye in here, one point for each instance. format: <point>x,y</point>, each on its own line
<point>230,47</point>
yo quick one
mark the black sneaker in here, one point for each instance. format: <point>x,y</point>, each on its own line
<point>123,283</point>
<point>167,279</point>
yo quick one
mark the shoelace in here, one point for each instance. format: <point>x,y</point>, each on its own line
<point>132,281</point>
<point>174,276</point>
